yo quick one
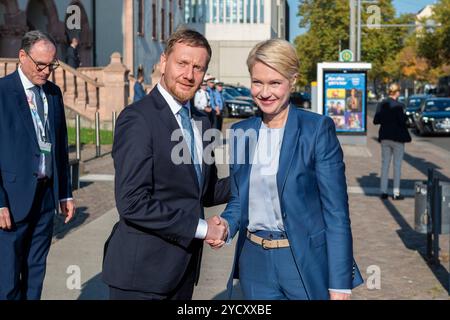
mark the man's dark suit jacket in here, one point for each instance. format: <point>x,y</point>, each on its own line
<point>159,202</point>
<point>19,149</point>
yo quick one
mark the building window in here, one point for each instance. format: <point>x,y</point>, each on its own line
<point>214,11</point>
<point>163,22</point>
<point>180,4</point>
<point>227,10</point>
<point>141,16</point>
<point>170,17</point>
<point>208,11</point>
<point>261,11</point>
<point>234,7</point>
<point>249,10</point>
<point>154,20</point>
<point>221,10</point>
<point>186,11</point>
<point>201,11</point>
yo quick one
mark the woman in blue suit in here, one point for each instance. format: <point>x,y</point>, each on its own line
<point>289,198</point>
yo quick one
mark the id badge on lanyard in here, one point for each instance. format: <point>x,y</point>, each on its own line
<point>44,145</point>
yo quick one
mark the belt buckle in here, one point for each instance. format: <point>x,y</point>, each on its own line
<point>264,245</point>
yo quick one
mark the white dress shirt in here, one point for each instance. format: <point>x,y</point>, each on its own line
<point>27,85</point>
<point>31,99</point>
<point>175,107</point>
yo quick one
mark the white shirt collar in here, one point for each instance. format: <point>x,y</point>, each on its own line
<point>174,105</point>
<point>26,83</point>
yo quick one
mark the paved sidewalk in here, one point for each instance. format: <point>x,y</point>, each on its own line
<point>74,262</point>
<point>93,199</point>
<point>383,232</point>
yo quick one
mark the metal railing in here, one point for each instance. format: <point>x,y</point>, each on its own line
<point>81,93</point>
<point>75,163</point>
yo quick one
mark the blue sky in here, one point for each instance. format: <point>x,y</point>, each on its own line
<point>402,6</point>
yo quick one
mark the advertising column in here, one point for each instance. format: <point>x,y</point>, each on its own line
<point>342,96</point>
<point>345,99</point>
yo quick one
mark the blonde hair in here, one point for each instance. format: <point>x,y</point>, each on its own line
<point>277,54</point>
<point>393,88</point>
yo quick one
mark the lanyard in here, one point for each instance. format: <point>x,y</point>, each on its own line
<point>37,119</point>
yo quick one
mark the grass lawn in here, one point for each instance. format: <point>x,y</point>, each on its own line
<point>88,136</point>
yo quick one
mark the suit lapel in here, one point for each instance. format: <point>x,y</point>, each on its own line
<point>290,141</point>
<point>166,114</point>
<point>51,113</point>
<point>24,108</point>
<point>169,120</point>
<point>250,147</point>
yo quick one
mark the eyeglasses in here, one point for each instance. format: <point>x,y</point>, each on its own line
<point>41,67</point>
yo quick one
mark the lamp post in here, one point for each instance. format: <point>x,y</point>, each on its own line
<point>352,26</point>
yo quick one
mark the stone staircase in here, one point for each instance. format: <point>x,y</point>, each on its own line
<point>88,90</point>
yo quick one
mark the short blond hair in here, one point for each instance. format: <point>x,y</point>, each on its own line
<point>277,54</point>
<point>393,88</point>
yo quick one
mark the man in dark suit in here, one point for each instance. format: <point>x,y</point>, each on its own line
<point>164,178</point>
<point>34,169</point>
<point>72,57</point>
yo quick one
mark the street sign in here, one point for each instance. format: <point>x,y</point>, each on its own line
<point>346,56</point>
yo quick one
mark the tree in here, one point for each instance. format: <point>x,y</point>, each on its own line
<point>434,44</point>
<point>327,24</point>
<point>381,46</point>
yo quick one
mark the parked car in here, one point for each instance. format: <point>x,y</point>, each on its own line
<point>433,116</point>
<point>301,100</point>
<point>413,105</point>
<point>238,108</point>
<point>244,91</point>
<point>236,94</point>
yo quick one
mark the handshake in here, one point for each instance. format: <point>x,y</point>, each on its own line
<point>217,232</point>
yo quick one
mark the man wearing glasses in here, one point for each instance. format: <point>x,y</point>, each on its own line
<point>34,168</point>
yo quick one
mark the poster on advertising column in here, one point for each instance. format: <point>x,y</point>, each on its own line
<point>345,100</point>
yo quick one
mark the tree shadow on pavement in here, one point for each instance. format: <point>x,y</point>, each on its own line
<point>94,289</point>
<point>373,181</point>
<point>420,164</point>
<point>416,241</point>
<point>423,165</point>
<point>60,229</point>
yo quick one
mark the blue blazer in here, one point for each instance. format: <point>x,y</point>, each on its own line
<point>19,149</point>
<point>313,199</point>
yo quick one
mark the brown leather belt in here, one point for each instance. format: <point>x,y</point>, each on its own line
<point>268,244</point>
